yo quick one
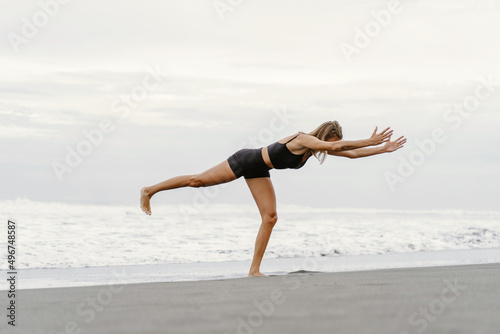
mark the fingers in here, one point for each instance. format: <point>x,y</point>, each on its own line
<point>386,129</point>
<point>401,140</point>
<point>383,133</point>
<point>386,135</point>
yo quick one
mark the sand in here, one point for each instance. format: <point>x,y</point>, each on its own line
<point>450,299</point>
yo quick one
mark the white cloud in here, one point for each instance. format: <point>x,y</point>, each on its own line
<point>228,76</point>
<point>22,132</point>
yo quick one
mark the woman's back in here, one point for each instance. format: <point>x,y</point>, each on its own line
<point>282,158</point>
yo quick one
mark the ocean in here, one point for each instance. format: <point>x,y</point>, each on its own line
<point>61,235</point>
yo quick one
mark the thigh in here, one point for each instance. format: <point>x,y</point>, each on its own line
<point>263,193</point>
<point>218,174</point>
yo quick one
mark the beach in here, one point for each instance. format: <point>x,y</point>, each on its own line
<point>442,299</point>
<point>356,271</point>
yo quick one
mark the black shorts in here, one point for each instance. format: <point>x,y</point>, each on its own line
<point>249,163</point>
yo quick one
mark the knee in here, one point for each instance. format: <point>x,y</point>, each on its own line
<point>271,218</point>
<point>195,181</point>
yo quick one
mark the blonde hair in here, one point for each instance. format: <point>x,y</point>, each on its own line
<point>324,132</point>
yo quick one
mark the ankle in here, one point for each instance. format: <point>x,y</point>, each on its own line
<point>146,191</point>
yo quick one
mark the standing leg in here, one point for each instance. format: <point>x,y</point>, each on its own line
<point>218,174</point>
<point>263,193</point>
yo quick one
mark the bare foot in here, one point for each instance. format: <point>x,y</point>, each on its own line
<point>257,273</point>
<point>145,197</point>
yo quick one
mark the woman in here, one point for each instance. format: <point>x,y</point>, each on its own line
<point>254,166</point>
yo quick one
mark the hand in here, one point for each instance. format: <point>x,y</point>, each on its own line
<point>392,146</point>
<point>379,138</point>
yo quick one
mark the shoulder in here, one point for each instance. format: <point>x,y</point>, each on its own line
<point>312,142</point>
<point>301,137</point>
<point>289,138</point>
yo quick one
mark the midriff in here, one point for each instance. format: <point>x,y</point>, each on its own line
<point>265,156</point>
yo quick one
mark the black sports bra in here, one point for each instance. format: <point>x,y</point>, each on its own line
<point>282,158</point>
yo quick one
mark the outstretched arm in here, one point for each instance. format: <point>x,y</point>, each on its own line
<point>345,145</point>
<point>389,146</point>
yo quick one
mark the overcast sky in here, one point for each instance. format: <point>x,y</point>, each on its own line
<point>245,75</point>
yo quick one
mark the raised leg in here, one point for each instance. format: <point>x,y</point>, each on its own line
<point>263,193</point>
<point>218,174</point>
